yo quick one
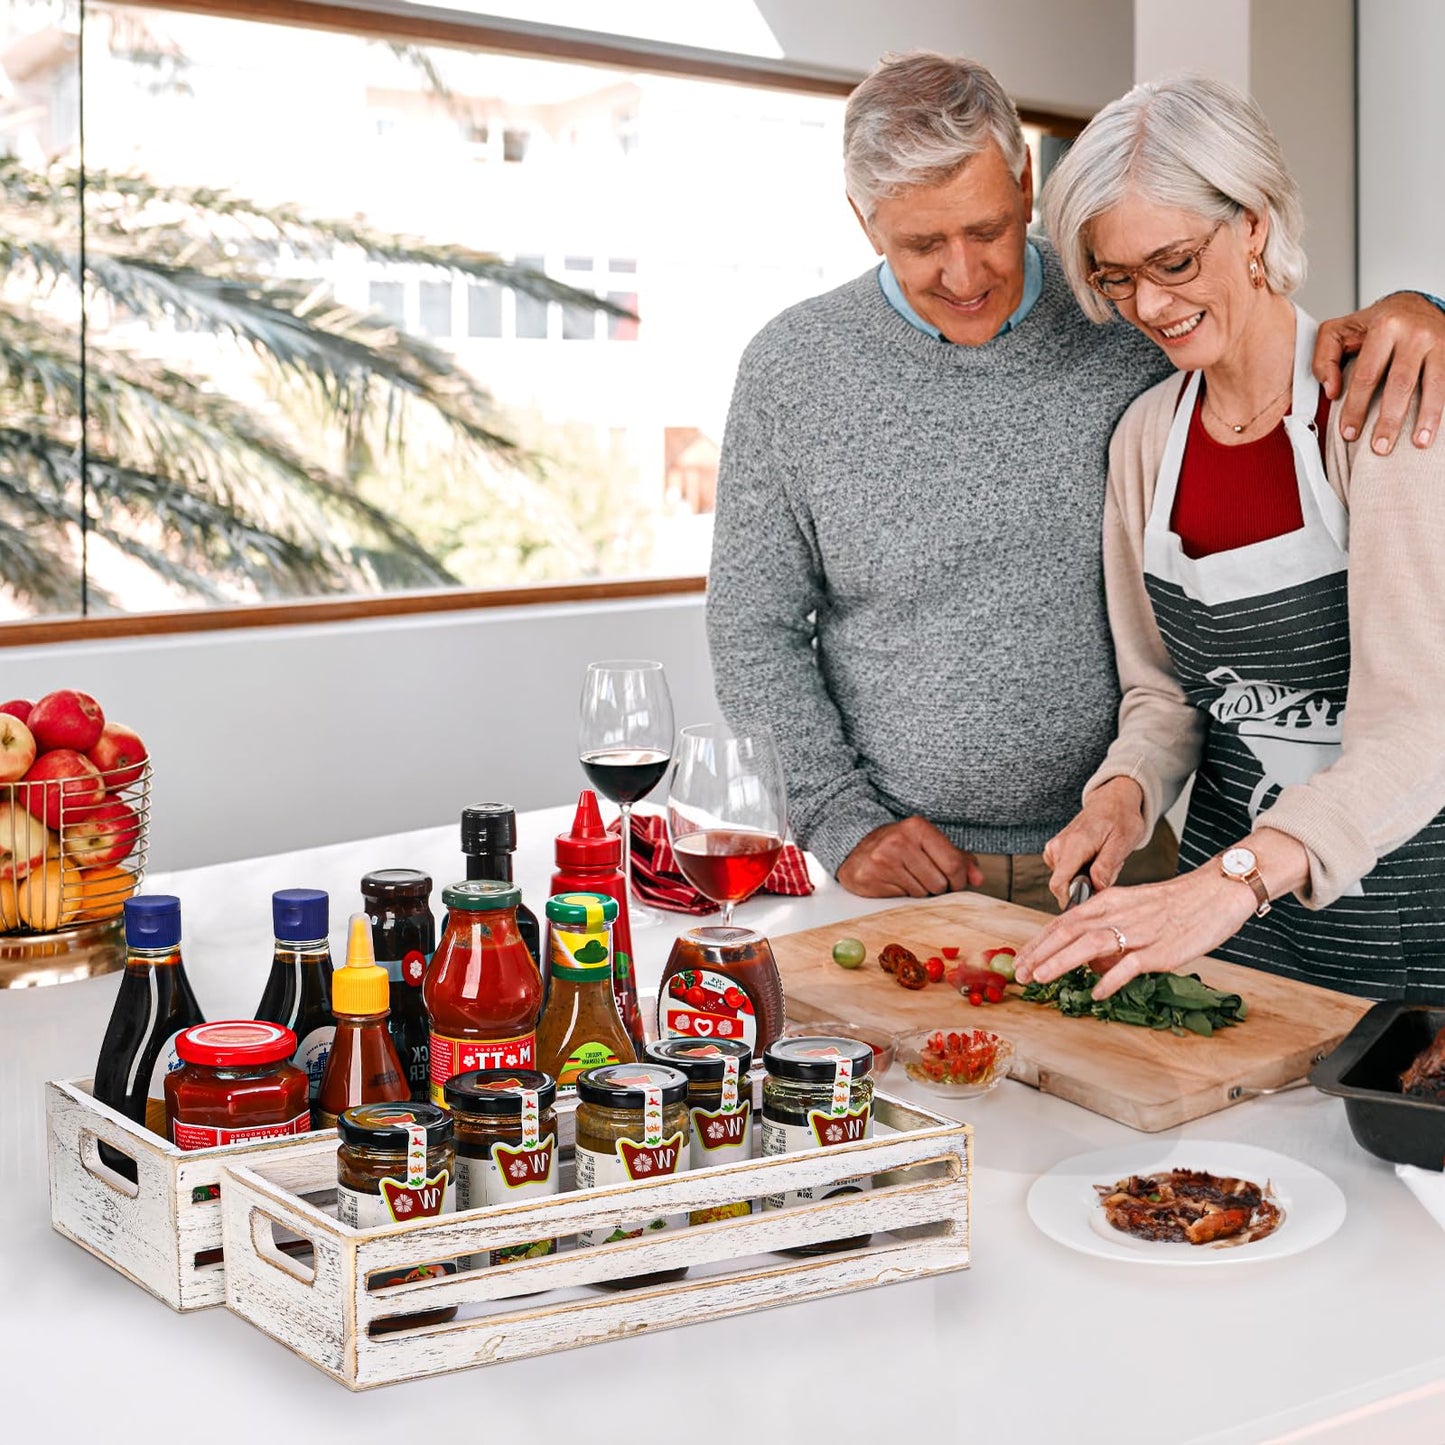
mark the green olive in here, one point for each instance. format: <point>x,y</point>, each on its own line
<point>849,953</point>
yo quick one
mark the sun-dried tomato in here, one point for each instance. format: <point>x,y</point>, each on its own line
<point>912,973</point>
<point>892,955</point>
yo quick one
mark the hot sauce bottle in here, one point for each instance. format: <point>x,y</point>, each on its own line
<point>362,1067</point>
<point>298,992</point>
<point>154,1005</point>
<point>721,983</point>
<point>404,935</point>
<point>589,860</point>
<point>483,990</point>
<point>489,838</point>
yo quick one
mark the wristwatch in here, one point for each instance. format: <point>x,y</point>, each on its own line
<point>1241,865</point>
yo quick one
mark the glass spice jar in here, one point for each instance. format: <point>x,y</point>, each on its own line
<point>236,1081</point>
<point>632,1125</point>
<point>397,1164</point>
<point>719,1106</point>
<point>506,1136</point>
<point>817,1093</point>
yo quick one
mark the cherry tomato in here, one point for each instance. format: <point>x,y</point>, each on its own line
<point>935,970</point>
<point>949,952</point>
<point>994,992</point>
<point>975,997</point>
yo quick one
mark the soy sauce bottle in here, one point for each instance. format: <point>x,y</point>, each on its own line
<point>489,838</point>
<point>403,935</point>
<point>298,992</point>
<point>154,1004</point>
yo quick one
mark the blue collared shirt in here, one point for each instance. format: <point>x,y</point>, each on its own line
<point>1033,289</point>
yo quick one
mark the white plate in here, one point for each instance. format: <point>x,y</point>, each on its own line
<point>1064,1204</point>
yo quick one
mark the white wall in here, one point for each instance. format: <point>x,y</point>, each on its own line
<point>1402,132</point>
<point>269,739</point>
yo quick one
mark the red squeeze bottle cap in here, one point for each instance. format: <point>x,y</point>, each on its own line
<point>589,844</point>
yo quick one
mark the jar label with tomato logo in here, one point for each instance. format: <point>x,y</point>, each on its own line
<point>627,1163</point>
<point>509,1172</point>
<point>203,1136</point>
<point>451,1056</point>
<point>701,1004</point>
<point>823,1130</point>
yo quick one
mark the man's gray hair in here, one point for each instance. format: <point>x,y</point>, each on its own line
<point>917,119</point>
<point>1191,143</point>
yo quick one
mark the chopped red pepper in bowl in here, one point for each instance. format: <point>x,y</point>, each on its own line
<point>957,1063</point>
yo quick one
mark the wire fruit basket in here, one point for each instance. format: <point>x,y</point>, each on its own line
<point>68,861</point>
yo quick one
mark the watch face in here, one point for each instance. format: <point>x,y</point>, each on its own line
<point>1238,862</point>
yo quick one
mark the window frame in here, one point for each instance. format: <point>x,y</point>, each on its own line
<point>390,20</point>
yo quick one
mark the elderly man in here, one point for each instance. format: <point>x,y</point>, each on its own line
<point>906,582</point>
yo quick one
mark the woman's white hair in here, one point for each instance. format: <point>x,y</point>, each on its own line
<point>1191,143</point>
<point>915,121</point>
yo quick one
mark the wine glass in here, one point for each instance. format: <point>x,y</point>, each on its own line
<point>625,738</point>
<point>727,812</point>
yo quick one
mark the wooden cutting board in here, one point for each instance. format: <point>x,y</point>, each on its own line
<point>1145,1078</point>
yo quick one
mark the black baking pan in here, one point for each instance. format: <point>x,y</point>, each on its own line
<point>1365,1072</point>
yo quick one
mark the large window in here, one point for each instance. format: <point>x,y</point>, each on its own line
<point>362,315</point>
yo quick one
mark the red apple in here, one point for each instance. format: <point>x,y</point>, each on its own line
<point>17,707</point>
<point>66,719</point>
<point>62,777</point>
<point>17,748</point>
<point>119,755</point>
<point>24,842</point>
<point>105,834</point>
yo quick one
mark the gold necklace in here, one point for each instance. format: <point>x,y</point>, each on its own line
<point>1245,425</point>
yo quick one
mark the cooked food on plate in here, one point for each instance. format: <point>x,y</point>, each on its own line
<point>1188,1206</point>
<point>1425,1078</point>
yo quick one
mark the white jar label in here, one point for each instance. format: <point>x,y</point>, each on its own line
<point>399,1202</point>
<point>628,1163</point>
<point>509,1173</point>
<point>823,1130</point>
<point>721,1137</point>
<point>700,1004</point>
<point>204,1136</point>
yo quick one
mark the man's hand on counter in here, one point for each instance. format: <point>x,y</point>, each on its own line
<point>908,859</point>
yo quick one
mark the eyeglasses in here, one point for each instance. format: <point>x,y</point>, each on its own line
<point>1174,268</point>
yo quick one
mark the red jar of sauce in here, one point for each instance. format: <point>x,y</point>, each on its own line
<point>236,1082</point>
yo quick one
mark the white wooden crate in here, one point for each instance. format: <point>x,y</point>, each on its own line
<point>153,1230</point>
<point>322,1309</point>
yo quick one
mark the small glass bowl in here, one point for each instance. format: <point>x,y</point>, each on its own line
<point>914,1054</point>
<point>883,1043</point>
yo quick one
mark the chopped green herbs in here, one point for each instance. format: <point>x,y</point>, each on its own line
<point>1180,1002</point>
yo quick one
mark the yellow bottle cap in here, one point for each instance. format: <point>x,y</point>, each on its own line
<point>362,987</point>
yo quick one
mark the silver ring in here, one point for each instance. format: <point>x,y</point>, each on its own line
<point>1119,939</point>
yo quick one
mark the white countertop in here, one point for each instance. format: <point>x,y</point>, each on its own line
<point>1345,1342</point>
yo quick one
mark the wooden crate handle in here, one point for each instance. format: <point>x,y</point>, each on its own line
<point>95,1166</point>
<point>263,1238</point>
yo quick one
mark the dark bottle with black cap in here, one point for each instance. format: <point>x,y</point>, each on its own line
<point>489,838</point>
<point>298,992</point>
<point>154,1004</point>
<point>404,937</point>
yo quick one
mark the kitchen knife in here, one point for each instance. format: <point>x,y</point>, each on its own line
<point>1080,891</point>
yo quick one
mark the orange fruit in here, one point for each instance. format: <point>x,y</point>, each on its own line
<point>9,905</point>
<point>48,896</point>
<point>101,892</point>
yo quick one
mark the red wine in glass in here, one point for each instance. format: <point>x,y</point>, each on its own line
<point>624,774</point>
<point>726,864</point>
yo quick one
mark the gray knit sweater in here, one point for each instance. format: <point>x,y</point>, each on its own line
<point>906,583</point>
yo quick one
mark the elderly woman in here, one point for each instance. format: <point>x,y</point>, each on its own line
<point>1276,595</point>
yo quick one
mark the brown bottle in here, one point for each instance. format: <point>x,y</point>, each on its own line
<point>362,1067</point>
<point>721,983</point>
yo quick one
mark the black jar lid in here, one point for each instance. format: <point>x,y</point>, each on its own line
<point>813,1060</point>
<point>384,1126</point>
<point>624,1086</point>
<point>396,883</point>
<point>704,1061</point>
<point>497,1093</point>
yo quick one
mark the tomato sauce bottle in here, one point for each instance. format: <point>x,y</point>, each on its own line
<point>362,1067</point>
<point>298,992</point>
<point>483,991</point>
<point>589,860</point>
<point>721,983</point>
<point>154,1005</point>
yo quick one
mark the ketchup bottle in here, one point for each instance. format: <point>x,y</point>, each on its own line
<point>483,991</point>
<point>589,860</point>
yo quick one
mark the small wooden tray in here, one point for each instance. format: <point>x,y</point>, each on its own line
<point>321,1308</point>
<point>153,1231</point>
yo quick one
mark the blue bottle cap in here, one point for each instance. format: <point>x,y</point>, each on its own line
<point>153,920</point>
<point>301,915</point>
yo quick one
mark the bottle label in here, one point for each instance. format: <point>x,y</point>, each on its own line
<point>823,1130</point>
<point>311,1055</point>
<point>409,969</point>
<point>701,1004</point>
<point>581,955</point>
<point>587,1056</point>
<point>628,1162</point>
<point>203,1136</point>
<point>509,1173</point>
<point>451,1056</point>
<point>167,1062</point>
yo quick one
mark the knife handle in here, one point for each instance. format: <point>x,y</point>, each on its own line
<point>1080,891</point>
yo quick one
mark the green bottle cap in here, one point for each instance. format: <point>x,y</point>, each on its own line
<point>581,910</point>
<point>481,895</point>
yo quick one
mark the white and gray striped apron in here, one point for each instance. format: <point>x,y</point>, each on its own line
<point>1260,640</point>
